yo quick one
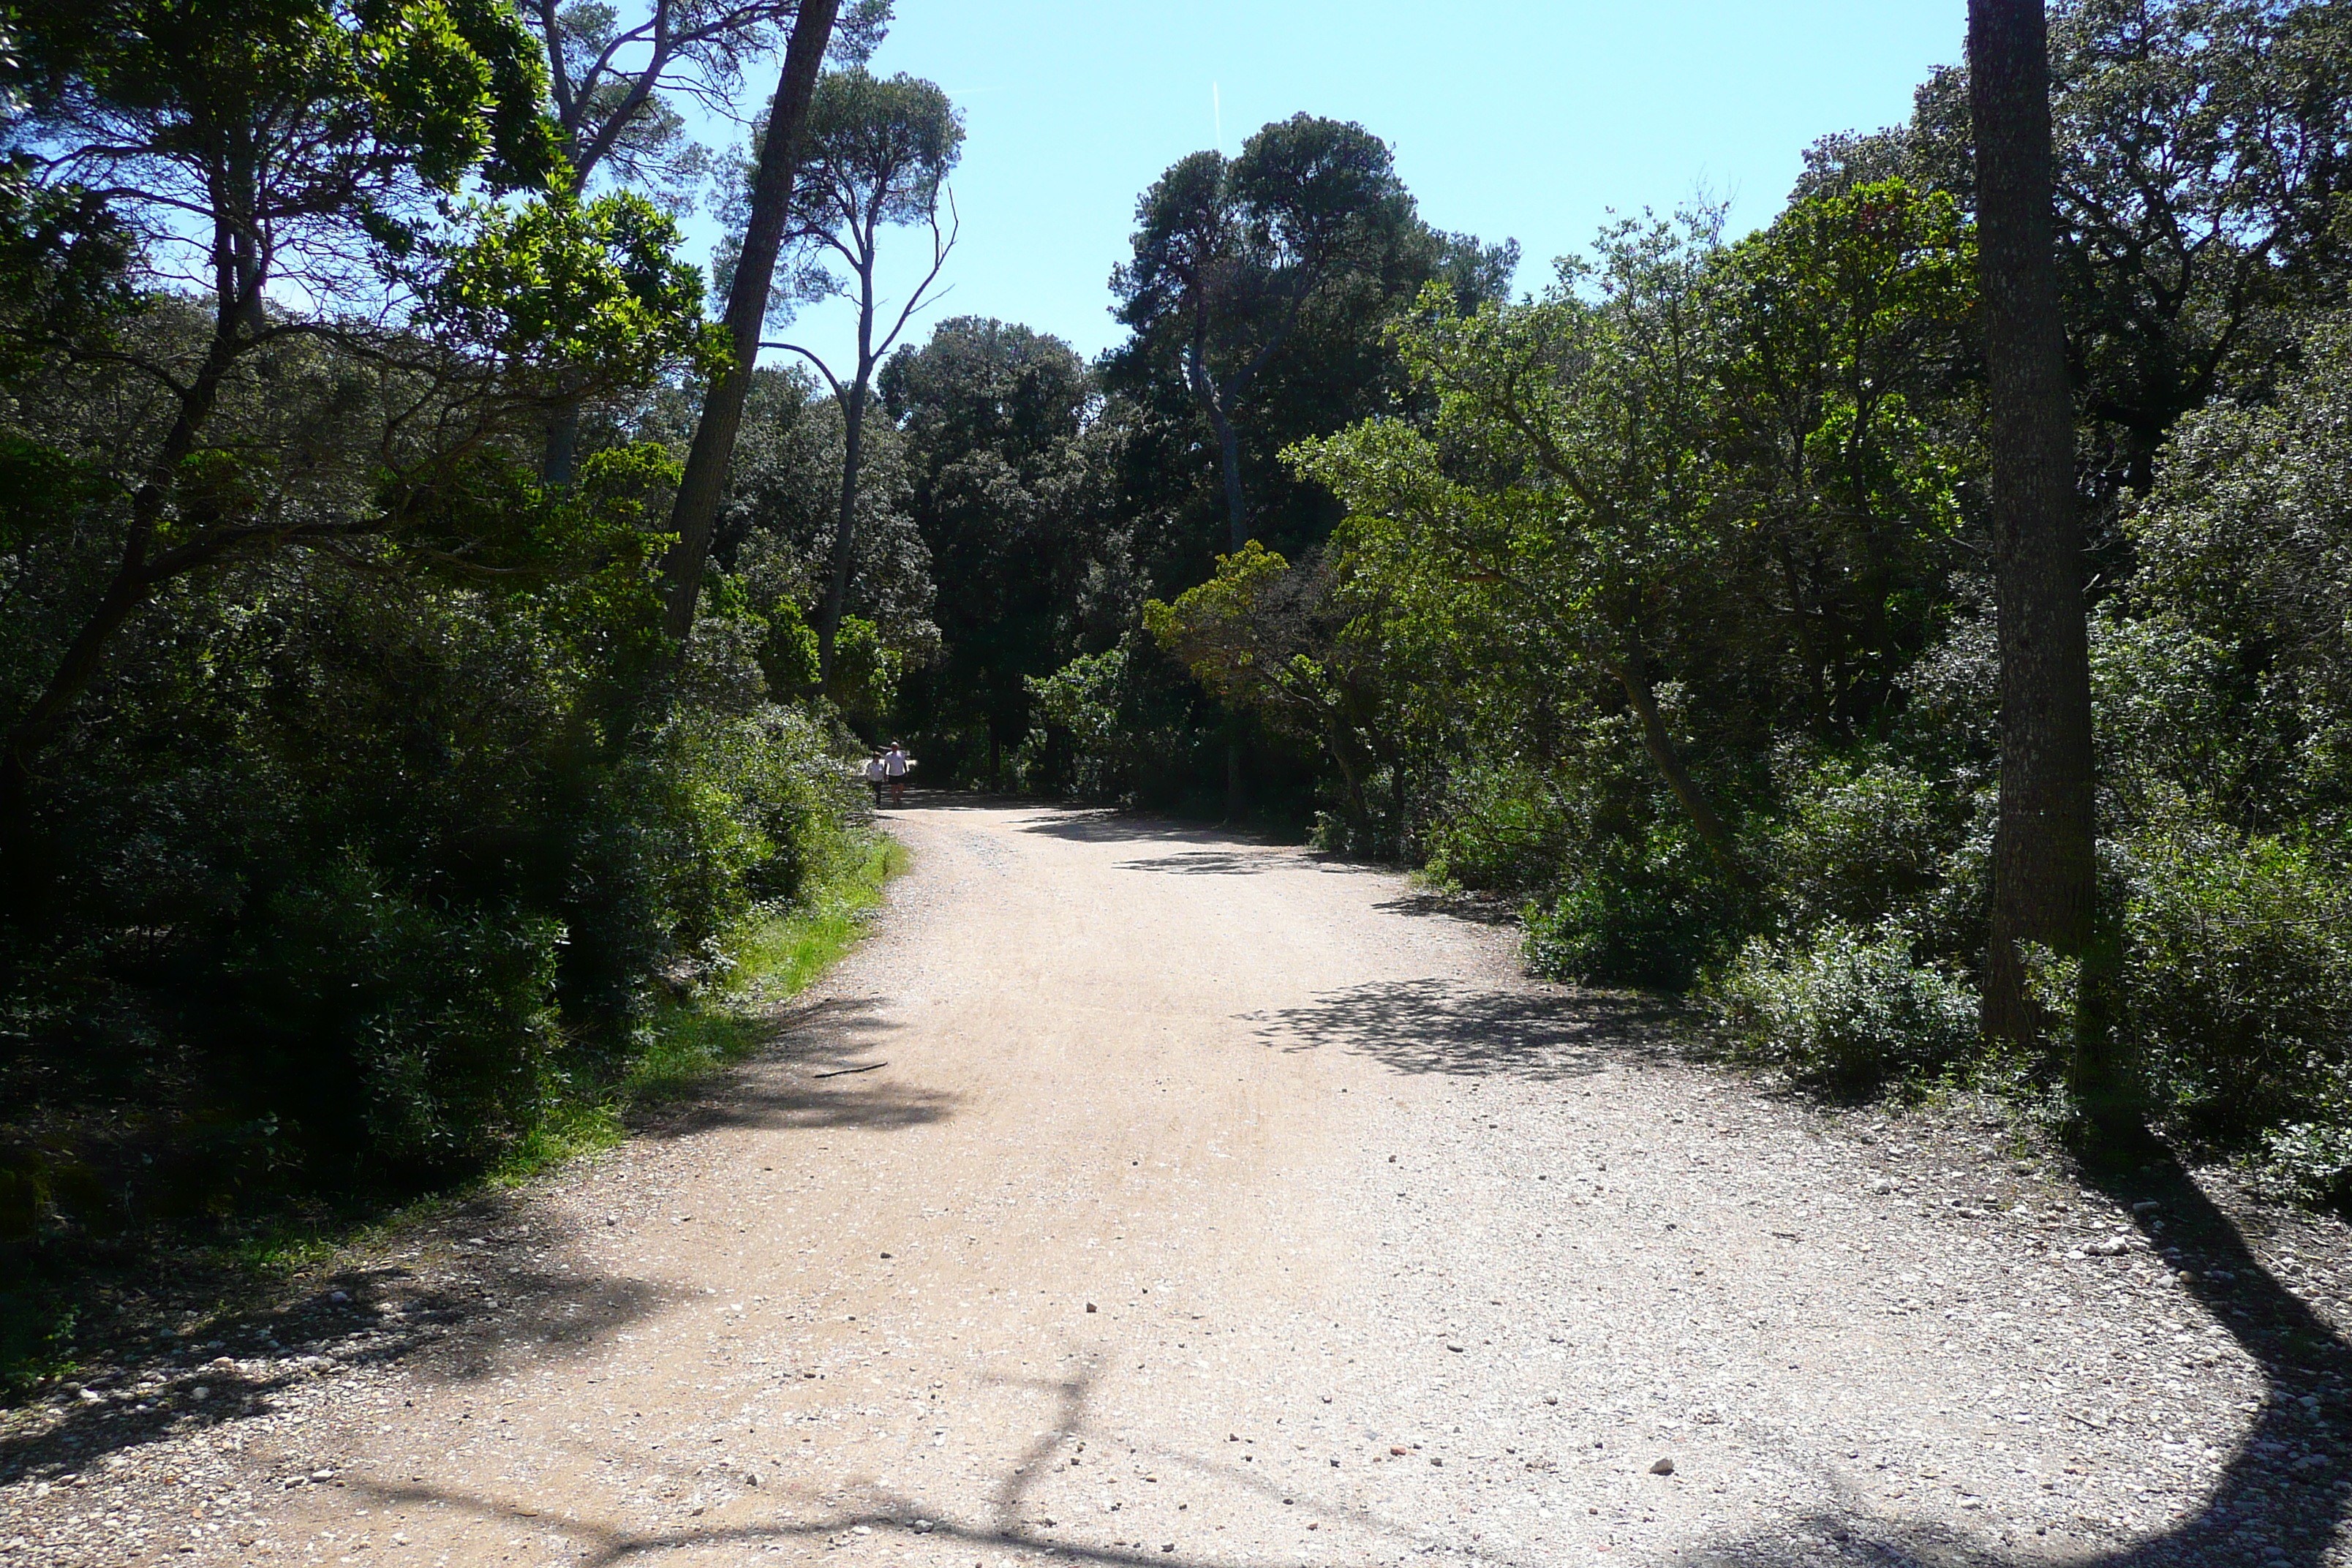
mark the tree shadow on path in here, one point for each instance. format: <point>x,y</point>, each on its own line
<point>883,1512</point>
<point>1108,826</point>
<point>809,1073</point>
<point>2280,1501</point>
<point>1442,1026</point>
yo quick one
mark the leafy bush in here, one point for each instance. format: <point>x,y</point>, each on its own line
<point>1862,841</point>
<point>1848,1008</point>
<point>398,1041</point>
<point>373,873</point>
<point>2236,983</point>
<point>1496,826</point>
<point>2308,1162</point>
<point>1649,913</point>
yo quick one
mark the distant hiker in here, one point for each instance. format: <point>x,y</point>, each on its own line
<point>895,763</point>
<point>875,772</point>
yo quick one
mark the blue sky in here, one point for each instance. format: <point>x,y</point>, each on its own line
<point>1525,120</point>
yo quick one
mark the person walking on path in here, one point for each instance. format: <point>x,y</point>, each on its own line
<point>874,775</point>
<point>895,763</point>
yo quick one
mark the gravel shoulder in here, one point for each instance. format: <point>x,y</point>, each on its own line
<point>1140,1194</point>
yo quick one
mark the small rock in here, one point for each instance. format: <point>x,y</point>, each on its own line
<point>1090,1305</point>
<point>339,1298</point>
<point>2109,1247</point>
<point>1662,1468</point>
<point>1456,1348</point>
<point>1438,1462</point>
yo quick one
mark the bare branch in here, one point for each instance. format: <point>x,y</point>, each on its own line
<point>840,394</point>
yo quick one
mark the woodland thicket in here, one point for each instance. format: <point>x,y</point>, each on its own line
<point>391,736</point>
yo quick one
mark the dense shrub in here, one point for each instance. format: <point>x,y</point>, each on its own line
<point>1863,839</point>
<point>1495,826</point>
<point>2308,1162</point>
<point>1655,912</point>
<point>2236,983</point>
<point>1846,1007</point>
<point>376,868</point>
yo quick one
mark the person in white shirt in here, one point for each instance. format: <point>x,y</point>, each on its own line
<point>895,763</point>
<point>875,772</point>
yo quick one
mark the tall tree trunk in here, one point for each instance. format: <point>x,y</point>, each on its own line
<point>1229,446</point>
<point>1397,803</point>
<point>1229,460</point>
<point>695,510</point>
<point>560,456</point>
<point>2044,855</point>
<point>845,528</point>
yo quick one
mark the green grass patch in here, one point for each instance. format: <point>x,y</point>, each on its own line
<point>781,955</point>
<point>773,957</point>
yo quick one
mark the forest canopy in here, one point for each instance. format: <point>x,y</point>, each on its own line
<point>441,620</point>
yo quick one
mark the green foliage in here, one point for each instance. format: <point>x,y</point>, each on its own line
<point>2308,1162</point>
<point>1210,628</point>
<point>866,674</point>
<point>1015,492</point>
<point>371,102</point>
<point>1862,841</point>
<point>586,292</point>
<point>1653,912</point>
<point>1119,725</point>
<point>2246,550</point>
<point>2236,986</point>
<point>1847,1008</point>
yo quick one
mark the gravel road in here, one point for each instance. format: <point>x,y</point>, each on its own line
<point>1209,1204</point>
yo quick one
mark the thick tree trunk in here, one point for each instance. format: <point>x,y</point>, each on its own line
<point>696,510</point>
<point>2044,858</point>
<point>1397,805</point>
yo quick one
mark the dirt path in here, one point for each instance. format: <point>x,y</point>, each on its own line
<point>1221,1205</point>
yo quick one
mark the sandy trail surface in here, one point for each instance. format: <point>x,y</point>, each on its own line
<point>1209,1204</point>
